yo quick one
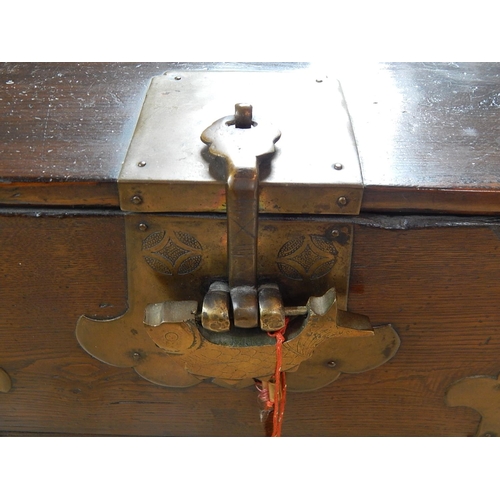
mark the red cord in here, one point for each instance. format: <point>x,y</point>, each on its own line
<point>278,406</point>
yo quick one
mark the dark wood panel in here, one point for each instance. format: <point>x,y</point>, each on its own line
<point>436,281</point>
<point>435,200</point>
<point>65,129</point>
<point>427,135</point>
<point>68,124</point>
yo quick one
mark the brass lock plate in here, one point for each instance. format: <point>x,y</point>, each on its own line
<point>206,288</point>
<point>315,170</point>
<point>176,258</point>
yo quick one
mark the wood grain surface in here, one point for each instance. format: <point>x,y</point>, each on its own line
<point>427,139</point>
<point>435,279</point>
<point>426,132</point>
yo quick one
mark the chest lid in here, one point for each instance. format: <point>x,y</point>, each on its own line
<point>426,136</point>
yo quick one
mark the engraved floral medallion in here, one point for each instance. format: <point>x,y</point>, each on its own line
<point>307,257</point>
<point>175,253</point>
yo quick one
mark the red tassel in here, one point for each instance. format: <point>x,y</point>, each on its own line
<point>275,406</point>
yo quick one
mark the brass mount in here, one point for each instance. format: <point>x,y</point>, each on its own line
<point>211,271</point>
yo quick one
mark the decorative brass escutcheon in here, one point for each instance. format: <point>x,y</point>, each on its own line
<point>482,394</point>
<point>205,288</point>
<point>5,382</point>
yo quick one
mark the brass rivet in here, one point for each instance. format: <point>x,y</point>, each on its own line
<point>143,227</point>
<point>338,166</point>
<point>342,201</point>
<point>335,233</point>
<point>136,199</point>
<point>331,364</point>
<point>141,164</point>
<point>136,355</point>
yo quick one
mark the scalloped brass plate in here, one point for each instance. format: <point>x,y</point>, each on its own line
<point>176,258</point>
<point>481,393</point>
<point>5,381</point>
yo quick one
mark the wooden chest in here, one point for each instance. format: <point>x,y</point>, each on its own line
<point>424,259</point>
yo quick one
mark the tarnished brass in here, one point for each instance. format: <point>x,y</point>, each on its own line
<point>242,143</point>
<point>5,382</point>
<point>215,311</point>
<point>345,355</point>
<point>178,175</point>
<point>175,261</point>
<point>205,289</point>
<point>483,395</point>
<point>271,310</point>
<point>256,358</point>
<point>243,115</point>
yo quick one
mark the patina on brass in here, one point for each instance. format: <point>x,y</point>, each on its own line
<point>204,289</point>
<point>483,395</point>
<point>345,355</point>
<point>215,312</point>
<point>178,258</point>
<point>271,310</point>
<point>5,382</point>
<point>242,143</point>
<point>175,261</point>
<point>256,356</point>
<point>178,175</point>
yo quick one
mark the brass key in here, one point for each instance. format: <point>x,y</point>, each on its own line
<point>242,142</point>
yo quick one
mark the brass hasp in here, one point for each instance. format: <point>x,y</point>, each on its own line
<point>225,241</point>
<point>242,142</point>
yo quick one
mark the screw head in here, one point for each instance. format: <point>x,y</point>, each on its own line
<point>136,199</point>
<point>338,166</point>
<point>342,201</point>
<point>141,164</point>
<point>331,364</point>
<point>143,226</point>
